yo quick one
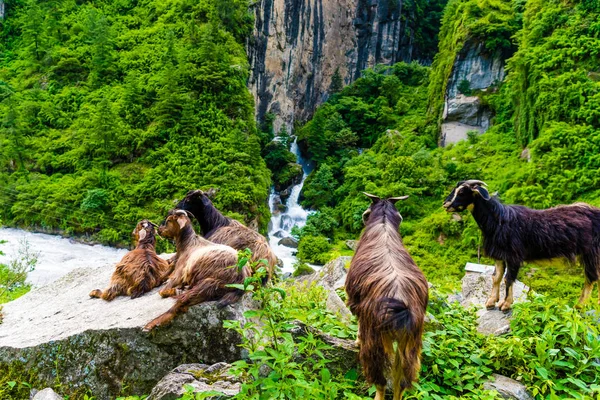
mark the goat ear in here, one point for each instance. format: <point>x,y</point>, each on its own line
<point>373,198</point>
<point>181,221</point>
<point>482,192</point>
<point>393,200</point>
<point>142,234</point>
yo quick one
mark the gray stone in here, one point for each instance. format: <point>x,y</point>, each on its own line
<point>279,234</point>
<point>201,377</point>
<point>288,242</point>
<point>464,113</point>
<point>47,394</point>
<point>351,244</point>
<point>100,345</point>
<point>476,288</point>
<point>507,388</point>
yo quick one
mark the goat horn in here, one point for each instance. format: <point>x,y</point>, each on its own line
<point>472,182</point>
<point>153,224</point>
<point>371,196</point>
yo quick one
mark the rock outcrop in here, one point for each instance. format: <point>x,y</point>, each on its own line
<point>476,288</point>
<point>298,46</point>
<point>474,71</point>
<point>332,277</point>
<point>507,388</point>
<point>201,378</point>
<point>59,333</point>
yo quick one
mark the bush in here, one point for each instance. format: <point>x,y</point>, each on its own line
<point>313,249</point>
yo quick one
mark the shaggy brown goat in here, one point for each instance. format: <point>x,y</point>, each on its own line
<point>202,267</point>
<point>515,234</point>
<point>388,293</point>
<point>223,230</point>
<point>140,270</point>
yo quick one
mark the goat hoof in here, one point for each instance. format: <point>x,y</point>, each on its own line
<point>505,307</point>
<point>491,304</point>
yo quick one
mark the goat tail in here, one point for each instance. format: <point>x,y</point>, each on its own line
<point>393,322</point>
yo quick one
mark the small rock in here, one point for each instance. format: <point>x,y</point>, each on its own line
<point>279,234</point>
<point>47,394</point>
<point>351,244</point>
<point>456,217</point>
<point>201,377</point>
<point>333,274</point>
<point>507,388</point>
<point>288,242</point>
<point>525,155</point>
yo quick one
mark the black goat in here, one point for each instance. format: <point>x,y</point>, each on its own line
<point>515,234</point>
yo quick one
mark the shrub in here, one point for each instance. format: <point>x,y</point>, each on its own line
<point>313,249</point>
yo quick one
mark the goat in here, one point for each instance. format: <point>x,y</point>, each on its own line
<point>388,293</point>
<point>223,230</point>
<point>140,270</point>
<point>515,234</point>
<point>202,267</point>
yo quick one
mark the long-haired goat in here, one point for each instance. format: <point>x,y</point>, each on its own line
<point>202,267</point>
<point>140,270</point>
<point>388,293</point>
<point>515,234</point>
<point>220,229</point>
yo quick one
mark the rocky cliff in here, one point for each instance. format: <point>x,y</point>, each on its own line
<point>298,46</point>
<point>474,71</point>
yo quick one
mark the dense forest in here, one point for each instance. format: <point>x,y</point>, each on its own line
<point>112,109</point>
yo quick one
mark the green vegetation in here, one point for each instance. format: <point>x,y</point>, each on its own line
<point>112,109</point>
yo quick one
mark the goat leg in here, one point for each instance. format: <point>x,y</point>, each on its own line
<point>586,293</point>
<point>496,281</point>
<point>380,394</point>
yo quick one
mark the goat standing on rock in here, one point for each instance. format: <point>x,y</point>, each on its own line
<point>388,293</point>
<point>220,229</point>
<point>515,234</point>
<point>202,267</point>
<point>140,270</point>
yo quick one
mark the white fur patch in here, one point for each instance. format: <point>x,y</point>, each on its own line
<point>142,234</point>
<point>199,253</point>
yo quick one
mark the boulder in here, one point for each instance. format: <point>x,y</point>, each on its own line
<point>46,394</point>
<point>59,332</point>
<point>476,288</point>
<point>507,388</point>
<point>288,242</point>
<point>280,234</point>
<point>351,244</point>
<point>332,277</point>
<point>201,378</point>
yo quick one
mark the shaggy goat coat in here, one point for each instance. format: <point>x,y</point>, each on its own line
<point>514,234</point>
<point>202,271</point>
<point>388,293</point>
<point>140,270</point>
<point>223,230</point>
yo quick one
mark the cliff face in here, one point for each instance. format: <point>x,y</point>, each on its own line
<point>299,44</point>
<point>474,71</point>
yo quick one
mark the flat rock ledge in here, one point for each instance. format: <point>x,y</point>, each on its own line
<point>507,388</point>
<point>58,333</point>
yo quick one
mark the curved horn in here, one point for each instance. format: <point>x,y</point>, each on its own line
<point>472,182</point>
<point>153,224</point>
<point>371,196</point>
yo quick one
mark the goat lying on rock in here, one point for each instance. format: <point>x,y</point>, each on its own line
<point>220,229</point>
<point>515,234</point>
<point>140,270</point>
<point>388,293</point>
<point>203,269</point>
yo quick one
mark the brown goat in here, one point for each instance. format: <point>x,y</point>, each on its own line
<point>140,270</point>
<point>202,267</point>
<point>388,293</point>
<point>220,229</point>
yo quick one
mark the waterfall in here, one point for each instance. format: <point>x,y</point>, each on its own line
<point>294,215</point>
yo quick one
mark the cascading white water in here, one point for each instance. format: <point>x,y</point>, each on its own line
<point>57,256</point>
<point>294,215</point>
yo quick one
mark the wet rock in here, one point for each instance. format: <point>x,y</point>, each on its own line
<point>476,288</point>
<point>351,244</point>
<point>46,394</point>
<point>98,345</point>
<point>201,377</point>
<point>507,388</point>
<point>288,242</point>
<point>279,234</point>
